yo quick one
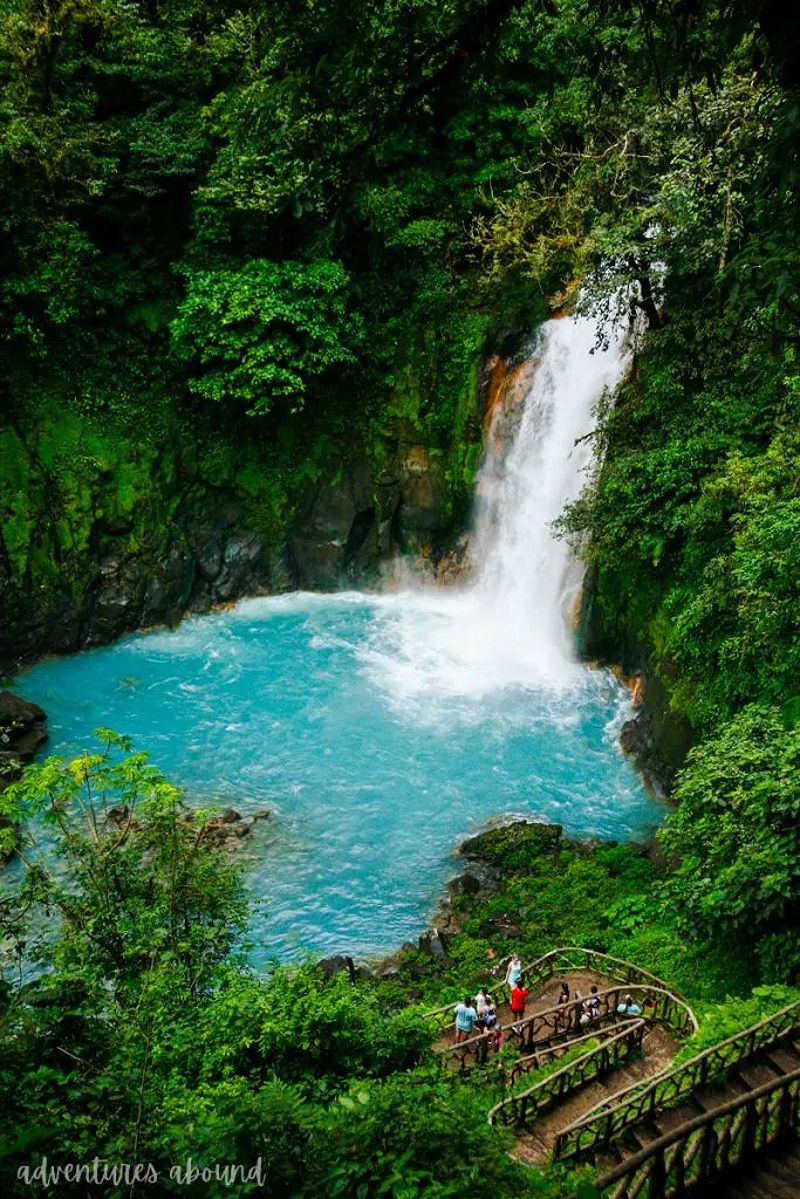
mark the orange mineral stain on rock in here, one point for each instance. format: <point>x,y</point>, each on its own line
<point>507,384</point>
<point>576,611</point>
<point>634,683</point>
<point>496,374</point>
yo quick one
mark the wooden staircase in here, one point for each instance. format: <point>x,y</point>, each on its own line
<point>722,1125</point>
<point>776,1177</point>
<point>712,1126</point>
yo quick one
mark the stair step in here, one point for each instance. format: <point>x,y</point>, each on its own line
<point>757,1189</point>
<point>698,1104</point>
<point>756,1073</point>
<point>785,1172</point>
<point>736,1085</point>
<point>643,1134</point>
<point>626,1075</point>
<point>763,1186</point>
<point>777,1176</point>
<point>670,1119</point>
<point>783,1058</point>
<point>609,1158</point>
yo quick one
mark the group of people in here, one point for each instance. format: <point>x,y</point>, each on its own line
<point>590,1006</point>
<point>479,1015</point>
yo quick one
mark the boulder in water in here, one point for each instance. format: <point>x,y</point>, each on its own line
<point>513,846</point>
<point>228,816</point>
<point>229,827</point>
<point>22,733</point>
<point>118,814</point>
<point>338,963</point>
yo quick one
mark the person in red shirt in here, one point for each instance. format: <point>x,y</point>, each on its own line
<point>518,996</point>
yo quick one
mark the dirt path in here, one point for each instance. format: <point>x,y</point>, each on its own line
<point>546,997</point>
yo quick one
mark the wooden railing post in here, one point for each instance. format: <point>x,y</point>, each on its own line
<point>706,1150</point>
<point>785,1114</point>
<point>749,1130</point>
<point>658,1177</point>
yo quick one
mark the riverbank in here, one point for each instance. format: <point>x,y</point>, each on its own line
<point>526,888</point>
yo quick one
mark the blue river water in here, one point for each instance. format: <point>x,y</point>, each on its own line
<point>375,737</point>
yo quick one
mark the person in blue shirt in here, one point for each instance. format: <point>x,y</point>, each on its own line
<point>466,1017</point>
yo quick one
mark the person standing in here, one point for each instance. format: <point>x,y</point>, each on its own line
<point>466,1017</point>
<point>518,996</point>
<point>514,972</point>
<point>563,1001</point>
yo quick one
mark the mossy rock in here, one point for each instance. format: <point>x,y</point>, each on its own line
<point>514,846</point>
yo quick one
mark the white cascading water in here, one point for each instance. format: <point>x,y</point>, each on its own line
<point>509,627</point>
<point>527,578</point>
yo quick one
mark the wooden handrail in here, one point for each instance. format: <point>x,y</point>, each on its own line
<point>531,1061</point>
<point>523,1108</point>
<point>558,1022</point>
<point>546,967</point>
<point>740,1143</point>
<point>639,1101</point>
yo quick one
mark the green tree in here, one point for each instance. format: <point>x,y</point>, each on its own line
<point>734,835</point>
<point>139,888</point>
<point>266,331</point>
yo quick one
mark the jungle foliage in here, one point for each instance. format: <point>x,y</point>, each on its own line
<point>230,225</point>
<point>134,1031</point>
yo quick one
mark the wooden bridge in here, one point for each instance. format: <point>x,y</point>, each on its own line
<point>659,1130</point>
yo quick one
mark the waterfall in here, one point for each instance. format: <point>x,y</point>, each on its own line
<point>509,625</point>
<point>526,577</point>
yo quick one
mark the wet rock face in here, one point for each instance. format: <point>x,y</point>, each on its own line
<point>658,738</point>
<point>23,731</point>
<point>423,490</point>
<point>335,533</point>
<point>152,533</point>
<point>658,743</point>
<point>209,557</point>
<point>357,519</point>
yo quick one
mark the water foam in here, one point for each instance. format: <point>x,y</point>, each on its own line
<point>509,627</point>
